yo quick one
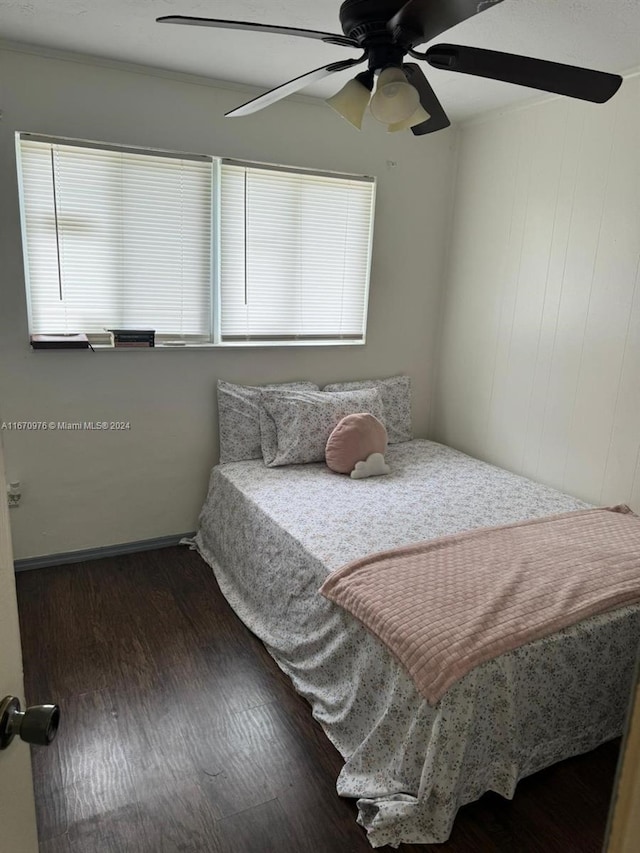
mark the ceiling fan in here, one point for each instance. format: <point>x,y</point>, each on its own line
<point>386,31</point>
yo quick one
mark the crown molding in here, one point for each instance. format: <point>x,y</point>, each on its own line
<point>529,104</point>
<point>145,70</point>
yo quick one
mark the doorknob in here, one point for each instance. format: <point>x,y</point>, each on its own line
<point>37,725</point>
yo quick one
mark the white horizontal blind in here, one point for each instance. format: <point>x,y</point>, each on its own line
<point>116,239</point>
<point>295,254</point>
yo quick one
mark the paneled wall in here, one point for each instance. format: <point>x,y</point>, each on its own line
<point>539,358</point>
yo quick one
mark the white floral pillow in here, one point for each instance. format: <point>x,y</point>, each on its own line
<point>396,399</point>
<point>239,418</point>
<point>295,424</point>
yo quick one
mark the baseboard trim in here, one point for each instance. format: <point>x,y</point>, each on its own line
<point>47,560</point>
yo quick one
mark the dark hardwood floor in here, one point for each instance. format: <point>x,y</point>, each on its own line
<point>179,733</point>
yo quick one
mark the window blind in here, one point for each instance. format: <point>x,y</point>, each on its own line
<point>116,239</point>
<point>295,251</point>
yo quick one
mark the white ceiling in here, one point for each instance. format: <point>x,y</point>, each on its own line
<point>602,34</point>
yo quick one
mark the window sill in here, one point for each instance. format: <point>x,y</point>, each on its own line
<point>241,345</point>
<point>208,346</point>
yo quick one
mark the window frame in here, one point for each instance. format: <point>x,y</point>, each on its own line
<point>215,341</point>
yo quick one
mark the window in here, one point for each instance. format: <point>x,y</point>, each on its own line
<point>295,254</point>
<point>116,239</point>
<point>200,249</point>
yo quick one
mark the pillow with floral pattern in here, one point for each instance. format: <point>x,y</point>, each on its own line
<point>239,418</point>
<point>295,424</point>
<point>396,399</point>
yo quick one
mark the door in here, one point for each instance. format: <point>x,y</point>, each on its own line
<point>17,811</point>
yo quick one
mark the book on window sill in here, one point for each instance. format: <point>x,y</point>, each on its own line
<point>73,341</point>
<point>132,337</point>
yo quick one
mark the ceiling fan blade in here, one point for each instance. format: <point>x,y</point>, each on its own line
<point>419,21</point>
<point>583,83</point>
<point>438,119</point>
<point>259,28</point>
<point>293,86</point>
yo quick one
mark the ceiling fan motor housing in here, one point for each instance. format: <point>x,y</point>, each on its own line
<point>366,21</point>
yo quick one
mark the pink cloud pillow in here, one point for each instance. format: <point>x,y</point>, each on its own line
<point>353,440</point>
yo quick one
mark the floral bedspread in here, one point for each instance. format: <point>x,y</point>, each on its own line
<point>272,535</point>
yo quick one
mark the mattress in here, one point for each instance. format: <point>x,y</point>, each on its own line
<point>271,536</point>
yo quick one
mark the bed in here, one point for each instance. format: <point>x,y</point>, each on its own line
<point>272,535</point>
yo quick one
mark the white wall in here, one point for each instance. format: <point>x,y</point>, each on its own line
<point>87,489</point>
<point>539,361</point>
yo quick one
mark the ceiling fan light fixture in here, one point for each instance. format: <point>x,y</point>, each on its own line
<point>395,100</point>
<point>352,100</point>
<point>403,86</point>
<point>418,117</point>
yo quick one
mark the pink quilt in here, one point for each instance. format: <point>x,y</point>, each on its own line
<point>446,605</point>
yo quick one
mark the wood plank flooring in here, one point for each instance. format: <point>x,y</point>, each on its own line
<point>179,733</point>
